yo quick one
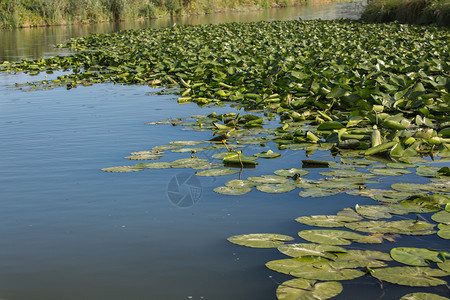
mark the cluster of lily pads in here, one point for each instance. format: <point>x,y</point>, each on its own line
<point>376,95</point>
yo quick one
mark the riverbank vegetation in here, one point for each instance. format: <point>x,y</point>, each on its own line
<point>24,13</point>
<point>408,11</point>
<point>371,99</point>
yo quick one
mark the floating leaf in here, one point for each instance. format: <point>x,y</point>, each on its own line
<point>238,183</point>
<point>327,220</point>
<point>328,271</point>
<point>267,154</point>
<point>365,258</point>
<point>373,211</point>
<point>422,296</point>
<point>300,250</point>
<point>302,289</point>
<point>389,172</point>
<point>441,217</point>
<point>232,191</point>
<point>409,227</point>
<point>276,188</point>
<point>217,172</point>
<point>417,256</point>
<point>316,192</point>
<point>260,240</point>
<point>154,165</point>
<point>444,231</point>
<point>268,179</point>
<point>329,237</point>
<point>410,276</point>
<point>188,163</point>
<point>122,169</point>
<point>291,172</point>
<point>427,171</point>
<point>408,187</point>
<point>444,265</point>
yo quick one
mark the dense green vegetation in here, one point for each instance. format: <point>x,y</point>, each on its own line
<point>374,95</point>
<point>16,13</point>
<point>408,11</point>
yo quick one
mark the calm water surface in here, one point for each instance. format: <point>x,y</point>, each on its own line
<point>71,231</point>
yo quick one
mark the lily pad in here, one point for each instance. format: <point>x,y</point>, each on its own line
<point>408,187</point>
<point>267,154</point>
<point>276,188</point>
<point>154,165</point>
<point>329,237</point>
<point>373,211</point>
<point>441,217</point>
<point>122,169</point>
<point>365,258</point>
<point>302,289</point>
<point>317,192</point>
<point>427,171</point>
<point>444,231</point>
<point>423,296</point>
<point>291,172</point>
<point>225,190</point>
<point>328,271</point>
<point>332,221</point>
<point>260,240</point>
<point>217,172</point>
<point>268,179</point>
<point>238,183</point>
<point>408,227</point>
<point>410,276</point>
<point>303,249</point>
<point>417,256</point>
<point>445,266</point>
<point>389,172</point>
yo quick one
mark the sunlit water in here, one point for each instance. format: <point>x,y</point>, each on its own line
<point>71,231</point>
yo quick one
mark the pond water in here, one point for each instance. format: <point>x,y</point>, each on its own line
<point>71,231</point>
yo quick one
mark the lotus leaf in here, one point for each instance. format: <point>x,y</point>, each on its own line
<point>300,250</point>
<point>302,289</point>
<point>410,276</point>
<point>417,256</point>
<point>291,172</point>
<point>408,227</point>
<point>232,191</point>
<point>329,237</point>
<point>260,240</point>
<point>217,172</point>
<point>422,296</point>
<point>327,220</point>
<point>276,188</point>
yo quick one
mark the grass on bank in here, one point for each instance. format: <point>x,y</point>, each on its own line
<point>408,11</point>
<point>24,13</point>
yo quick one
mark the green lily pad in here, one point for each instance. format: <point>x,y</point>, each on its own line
<point>317,192</point>
<point>441,217</point>
<point>444,266</point>
<point>217,172</point>
<point>238,183</point>
<point>332,221</point>
<point>302,289</point>
<point>291,172</point>
<point>399,165</point>
<point>154,165</point>
<point>408,187</point>
<point>260,240</point>
<point>269,179</point>
<point>328,271</point>
<point>374,211</point>
<point>423,296</point>
<point>188,162</point>
<point>444,231</point>
<point>276,188</point>
<point>329,237</point>
<point>408,227</point>
<point>417,256</point>
<point>225,190</point>
<point>303,249</point>
<point>267,154</point>
<point>122,169</point>
<point>346,173</point>
<point>427,171</point>
<point>186,143</point>
<point>365,258</point>
<point>389,172</point>
<point>410,276</point>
